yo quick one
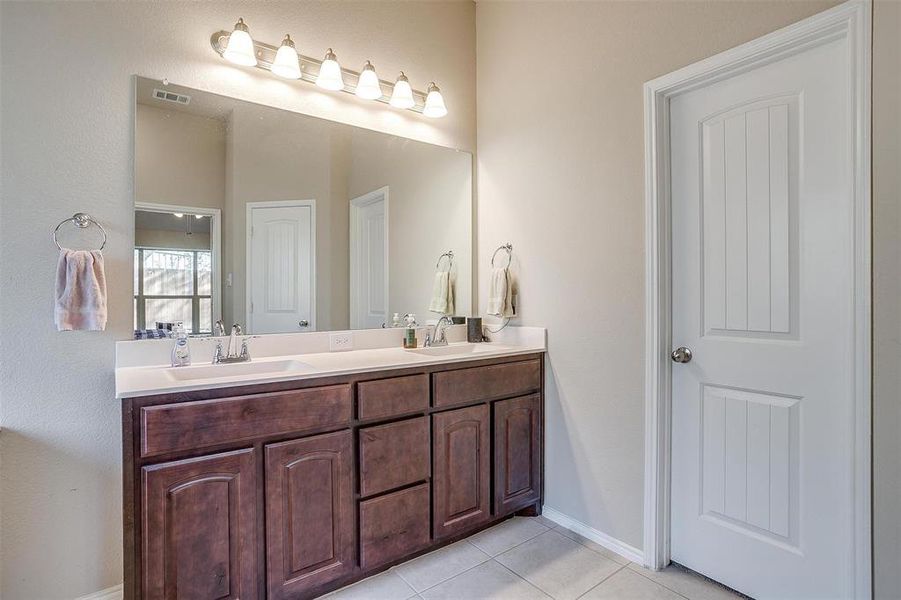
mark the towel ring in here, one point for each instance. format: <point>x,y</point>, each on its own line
<point>509,248</point>
<point>450,260</point>
<point>82,221</point>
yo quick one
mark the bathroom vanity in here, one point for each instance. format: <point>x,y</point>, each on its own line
<point>296,486</point>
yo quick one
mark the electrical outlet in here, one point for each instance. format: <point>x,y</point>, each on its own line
<point>343,340</point>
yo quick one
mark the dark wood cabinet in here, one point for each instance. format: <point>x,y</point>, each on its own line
<point>477,384</point>
<point>199,528</point>
<point>394,525</point>
<point>393,455</point>
<point>462,470</point>
<point>517,453</point>
<point>309,513</point>
<point>291,489</point>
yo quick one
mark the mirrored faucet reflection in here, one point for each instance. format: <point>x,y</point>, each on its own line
<point>231,353</point>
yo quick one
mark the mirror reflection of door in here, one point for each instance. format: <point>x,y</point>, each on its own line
<point>176,266</point>
<point>369,260</point>
<point>281,273</point>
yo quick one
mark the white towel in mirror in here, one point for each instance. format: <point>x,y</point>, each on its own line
<point>443,293</point>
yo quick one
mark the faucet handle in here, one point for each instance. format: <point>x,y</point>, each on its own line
<point>245,350</point>
<point>428,340</point>
<point>217,353</point>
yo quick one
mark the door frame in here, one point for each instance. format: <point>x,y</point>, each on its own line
<point>355,205</point>
<point>248,254</point>
<point>850,21</point>
<point>215,215</point>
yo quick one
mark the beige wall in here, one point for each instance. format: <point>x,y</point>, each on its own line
<point>180,158</point>
<point>887,295</point>
<point>560,175</point>
<point>429,213</point>
<point>67,133</point>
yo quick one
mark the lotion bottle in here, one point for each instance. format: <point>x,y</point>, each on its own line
<point>181,352</point>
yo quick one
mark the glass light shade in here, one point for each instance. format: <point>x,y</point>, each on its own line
<point>402,96</point>
<point>434,103</point>
<point>330,77</point>
<point>368,86</point>
<point>286,61</point>
<point>240,46</point>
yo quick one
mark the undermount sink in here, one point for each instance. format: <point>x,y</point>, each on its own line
<point>261,368</point>
<point>459,349</point>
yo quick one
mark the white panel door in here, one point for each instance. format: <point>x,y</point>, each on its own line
<point>369,260</point>
<point>762,248</point>
<point>280,268</point>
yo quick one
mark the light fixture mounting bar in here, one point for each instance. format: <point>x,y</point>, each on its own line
<point>309,69</point>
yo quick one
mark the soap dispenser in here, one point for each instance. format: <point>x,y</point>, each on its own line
<point>181,352</point>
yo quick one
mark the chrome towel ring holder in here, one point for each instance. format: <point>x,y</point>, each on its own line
<point>509,248</point>
<point>82,221</point>
<point>450,260</point>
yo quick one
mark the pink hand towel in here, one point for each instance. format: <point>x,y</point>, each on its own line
<point>80,291</point>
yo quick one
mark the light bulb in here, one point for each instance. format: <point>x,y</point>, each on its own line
<point>330,77</point>
<point>434,103</point>
<point>178,215</point>
<point>240,46</point>
<point>402,96</point>
<point>368,86</point>
<point>286,62</point>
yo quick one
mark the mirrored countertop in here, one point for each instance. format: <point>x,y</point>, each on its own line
<point>142,370</point>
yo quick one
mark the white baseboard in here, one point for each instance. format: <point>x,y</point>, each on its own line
<point>610,543</point>
<point>113,593</point>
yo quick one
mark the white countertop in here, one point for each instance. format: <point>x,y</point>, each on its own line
<point>134,379</point>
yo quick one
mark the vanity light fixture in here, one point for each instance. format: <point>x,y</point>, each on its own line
<point>402,96</point>
<point>330,76</point>
<point>286,61</point>
<point>434,103</point>
<point>368,86</point>
<point>240,48</point>
<point>178,215</point>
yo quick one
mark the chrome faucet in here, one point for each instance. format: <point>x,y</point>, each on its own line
<point>219,328</point>
<point>231,353</point>
<point>439,338</point>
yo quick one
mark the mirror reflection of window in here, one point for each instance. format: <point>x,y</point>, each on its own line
<point>173,264</point>
<point>171,286</point>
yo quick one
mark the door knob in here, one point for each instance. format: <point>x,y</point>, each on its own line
<point>304,323</point>
<point>681,354</point>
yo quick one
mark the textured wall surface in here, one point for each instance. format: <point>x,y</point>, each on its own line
<point>67,122</point>
<point>561,176</point>
<point>887,299</point>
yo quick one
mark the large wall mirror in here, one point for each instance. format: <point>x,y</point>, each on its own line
<point>287,223</point>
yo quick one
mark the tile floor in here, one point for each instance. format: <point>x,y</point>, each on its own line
<point>524,558</point>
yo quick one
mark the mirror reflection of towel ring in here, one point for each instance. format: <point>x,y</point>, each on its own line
<point>82,221</point>
<point>509,248</point>
<point>450,260</point>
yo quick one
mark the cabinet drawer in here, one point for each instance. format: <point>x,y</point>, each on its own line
<point>392,397</point>
<point>192,425</point>
<point>485,383</point>
<point>394,525</point>
<point>393,455</point>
